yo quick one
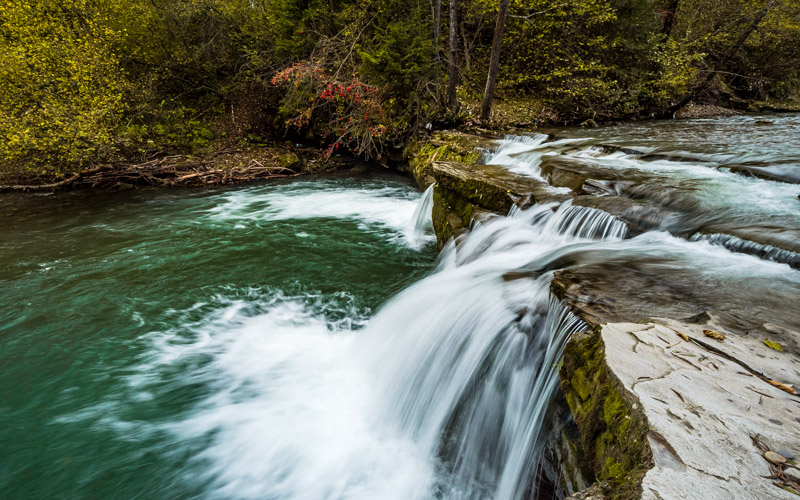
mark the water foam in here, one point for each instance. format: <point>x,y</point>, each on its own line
<point>389,208</point>
<point>443,393</point>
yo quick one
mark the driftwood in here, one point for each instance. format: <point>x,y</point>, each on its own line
<point>170,171</point>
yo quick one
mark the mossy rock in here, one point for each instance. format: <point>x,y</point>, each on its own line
<point>612,428</point>
<point>452,215</point>
<point>443,146</point>
<point>290,161</point>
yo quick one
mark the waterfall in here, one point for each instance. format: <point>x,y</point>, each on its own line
<point>464,362</point>
<point>523,154</point>
<point>760,250</point>
<point>421,220</point>
<point>443,393</point>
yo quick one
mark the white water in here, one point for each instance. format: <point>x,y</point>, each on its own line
<point>763,251</point>
<point>443,393</point>
<point>390,208</point>
<point>687,194</point>
<point>523,154</point>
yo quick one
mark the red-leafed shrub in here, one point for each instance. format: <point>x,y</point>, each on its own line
<point>347,113</point>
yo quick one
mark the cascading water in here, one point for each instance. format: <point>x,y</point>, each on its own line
<point>421,220</point>
<point>223,344</point>
<point>443,394</point>
<point>761,250</point>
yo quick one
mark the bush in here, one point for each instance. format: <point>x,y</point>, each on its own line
<point>61,87</point>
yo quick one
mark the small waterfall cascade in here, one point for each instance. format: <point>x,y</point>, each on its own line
<point>760,250</point>
<point>421,220</point>
<point>464,361</point>
<point>523,154</point>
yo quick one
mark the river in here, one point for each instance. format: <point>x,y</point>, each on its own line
<point>303,340</point>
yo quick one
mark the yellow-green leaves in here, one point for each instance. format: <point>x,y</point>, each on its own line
<point>60,85</point>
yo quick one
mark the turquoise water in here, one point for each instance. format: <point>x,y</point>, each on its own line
<point>125,317</point>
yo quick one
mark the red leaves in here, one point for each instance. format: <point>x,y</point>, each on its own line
<point>344,108</point>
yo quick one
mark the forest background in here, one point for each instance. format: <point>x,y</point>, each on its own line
<point>88,82</point>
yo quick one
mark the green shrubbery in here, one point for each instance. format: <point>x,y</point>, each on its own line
<point>61,86</point>
<point>87,81</point>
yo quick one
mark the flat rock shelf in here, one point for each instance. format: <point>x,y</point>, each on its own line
<point>687,376</point>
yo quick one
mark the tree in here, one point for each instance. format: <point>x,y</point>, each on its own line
<point>669,17</point>
<point>452,60</point>
<point>494,61</point>
<point>61,86</point>
<point>437,21</point>
<point>725,58</point>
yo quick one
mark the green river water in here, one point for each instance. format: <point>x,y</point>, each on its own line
<point>91,285</point>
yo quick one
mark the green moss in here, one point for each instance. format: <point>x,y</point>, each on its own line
<point>614,408</point>
<point>612,432</point>
<point>288,160</point>
<point>582,386</point>
<point>476,190</point>
<point>451,214</point>
<point>614,470</point>
<point>442,146</point>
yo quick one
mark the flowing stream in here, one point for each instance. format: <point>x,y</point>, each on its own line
<point>303,340</point>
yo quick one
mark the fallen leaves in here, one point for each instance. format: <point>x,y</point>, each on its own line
<point>773,345</point>
<point>714,334</point>
<point>784,387</point>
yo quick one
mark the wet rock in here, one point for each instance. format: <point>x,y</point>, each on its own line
<point>290,161</point>
<point>491,187</point>
<point>777,329</point>
<point>595,492</point>
<point>444,146</point>
<point>792,474</point>
<point>700,404</point>
<point>704,111</point>
<point>612,429</point>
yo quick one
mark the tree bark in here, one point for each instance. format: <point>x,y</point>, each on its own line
<point>734,48</point>
<point>669,18</point>
<point>437,22</point>
<point>452,60</point>
<point>465,41</point>
<point>494,62</point>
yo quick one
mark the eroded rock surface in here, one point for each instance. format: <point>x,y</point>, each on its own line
<point>660,409</point>
<point>703,408</point>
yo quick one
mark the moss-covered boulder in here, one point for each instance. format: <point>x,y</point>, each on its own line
<point>612,429</point>
<point>444,146</point>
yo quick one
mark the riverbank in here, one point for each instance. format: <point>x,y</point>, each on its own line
<point>223,167</point>
<point>680,388</point>
<point>230,165</point>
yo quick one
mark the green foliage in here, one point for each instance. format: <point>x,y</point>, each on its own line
<point>174,129</point>
<point>84,80</point>
<point>61,87</point>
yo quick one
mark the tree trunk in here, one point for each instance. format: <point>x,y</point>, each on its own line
<point>494,62</point>
<point>437,22</point>
<point>736,46</point>
<point>669,18</point>
<point>465,41</point>
<point>452,60</point>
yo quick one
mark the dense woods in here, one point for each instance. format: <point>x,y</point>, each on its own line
<point>89,81</point>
